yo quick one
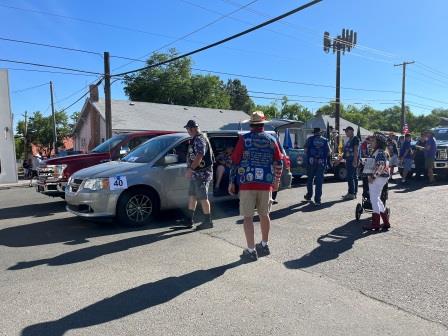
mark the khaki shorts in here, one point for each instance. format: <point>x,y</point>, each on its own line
<point>249,199</point>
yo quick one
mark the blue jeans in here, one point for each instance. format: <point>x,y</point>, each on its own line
<point>352,178</point>
<point>315,174</point>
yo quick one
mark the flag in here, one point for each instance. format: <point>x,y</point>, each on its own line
<point>406,129</point>
<point>287,142</point>
<point>358,134</point>
<point>328,131</point>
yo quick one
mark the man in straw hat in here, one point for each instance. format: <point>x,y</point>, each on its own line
<point>257,167</point>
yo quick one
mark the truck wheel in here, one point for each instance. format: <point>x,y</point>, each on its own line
<point>341,173</point>
<point>137,207</point>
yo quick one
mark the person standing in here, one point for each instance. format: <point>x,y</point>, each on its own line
<point>351,156</point>
<point>419,156</point>
<point>430,155</point>
<point>406,157</point>
<point>257,165</point>
<point>377,180</point>
<point>393,152</point>
<point>200,174</point>
<point>316,151</point>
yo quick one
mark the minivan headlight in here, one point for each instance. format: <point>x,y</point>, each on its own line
<point>96,184</point>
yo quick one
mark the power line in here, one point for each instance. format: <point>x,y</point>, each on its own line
<point>126,28</point>
<point>50,46</point>
<point>52,72</point>
<point>292,82</point>
<point>30,88</point>
<point>77,100</point>
<point>223,16</point>
<point>49,66</point>
<point>227,39</point>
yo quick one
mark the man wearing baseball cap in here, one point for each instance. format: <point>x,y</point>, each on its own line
<point>200,174</point>
<point>257,166</point>
<point>351,156</point>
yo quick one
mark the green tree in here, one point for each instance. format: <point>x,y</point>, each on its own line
<point>209,91</point>
<point>239,96</point>
<point>270,111</point>
<point>294,111</point>
<point>165,84</point>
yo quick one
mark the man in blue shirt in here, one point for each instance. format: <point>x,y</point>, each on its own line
<point>406,159</point>
<point>430,155</point>
<point>316,151</point>
<point>351,156</point>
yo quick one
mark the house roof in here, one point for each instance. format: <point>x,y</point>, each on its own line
<point>323,120</point>
<point>136,116</point>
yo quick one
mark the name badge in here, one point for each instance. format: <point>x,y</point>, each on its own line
<point>118,182</point>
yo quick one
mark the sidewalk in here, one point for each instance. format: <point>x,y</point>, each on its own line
<point>19,184</point>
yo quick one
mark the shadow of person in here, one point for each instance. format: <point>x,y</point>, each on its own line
<point>129,302</point>
<point>33,210</point>
<point>93,252</point>
<point>331,245</point>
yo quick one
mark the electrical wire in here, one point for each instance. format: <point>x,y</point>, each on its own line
<point>84,95</point>
<point>30,88</point>
<point>52,72</point>
<point>227,39</point>
<point>49,66</point>
<point>223,16</point>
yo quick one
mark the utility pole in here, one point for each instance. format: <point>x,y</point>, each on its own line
<point>403,93</point>
<point>25,136</point>
<point>55,136</point>
<point>107,95</point>
<point>342,43</point>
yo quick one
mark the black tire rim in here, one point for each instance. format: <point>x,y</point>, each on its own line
<point>139,208</point>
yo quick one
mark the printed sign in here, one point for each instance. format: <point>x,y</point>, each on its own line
<point>369,166</point>
<point>118,182</point>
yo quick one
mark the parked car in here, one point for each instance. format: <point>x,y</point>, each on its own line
<point>54,173</point>
<point>149,179</point>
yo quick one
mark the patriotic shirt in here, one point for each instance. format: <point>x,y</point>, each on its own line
<point>381,168</point>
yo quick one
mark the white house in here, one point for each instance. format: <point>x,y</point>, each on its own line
<point>8,168</point>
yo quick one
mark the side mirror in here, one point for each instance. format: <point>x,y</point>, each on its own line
<point>171,159</point>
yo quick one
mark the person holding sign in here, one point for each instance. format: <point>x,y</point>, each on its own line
<point>257,166</point>
<point>200,174</point>
<point>377,178</point>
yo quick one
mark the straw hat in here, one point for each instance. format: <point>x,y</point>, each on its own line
<point>257,118</point>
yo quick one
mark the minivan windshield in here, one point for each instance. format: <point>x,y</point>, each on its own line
<point>441,134</point>
<point>109,144</point>
<point>146,152</point>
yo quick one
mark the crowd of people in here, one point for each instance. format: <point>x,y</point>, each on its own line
<point>255,166</point>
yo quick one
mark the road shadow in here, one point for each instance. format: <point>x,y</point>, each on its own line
<point>93,252</point>
<point>33,210</point>
<point>75,230</point>
<point>332,245</point>
<point>129,302</point>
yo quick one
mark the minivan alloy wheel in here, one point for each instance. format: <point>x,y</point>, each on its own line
<point>138,208</point>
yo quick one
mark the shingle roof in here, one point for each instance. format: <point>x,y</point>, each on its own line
<point>321,121</point>
<point>135,116</point>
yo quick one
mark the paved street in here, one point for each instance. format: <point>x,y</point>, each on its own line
<point>60,275</point>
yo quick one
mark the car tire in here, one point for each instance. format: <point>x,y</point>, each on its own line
<point>137,207</point>
<point>341,173</point>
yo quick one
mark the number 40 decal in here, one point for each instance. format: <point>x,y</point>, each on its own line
<point>118,182</point>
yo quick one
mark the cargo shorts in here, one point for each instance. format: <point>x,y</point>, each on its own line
<point>199,189</point>
<point>251,199</point>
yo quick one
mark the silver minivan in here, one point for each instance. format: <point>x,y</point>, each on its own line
<point>149,179</point>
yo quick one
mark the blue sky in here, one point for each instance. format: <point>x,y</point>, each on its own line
<point>388,32</point>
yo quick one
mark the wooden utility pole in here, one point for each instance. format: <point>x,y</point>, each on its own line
<point>55,136</point>
<point>25,137</point>
<point>403,93</point>
<point>107,95</point>
<point>341,44</point>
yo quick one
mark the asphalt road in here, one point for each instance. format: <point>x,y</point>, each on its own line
<point>60,275</point>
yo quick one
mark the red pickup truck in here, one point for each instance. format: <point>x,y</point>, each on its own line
<point>54,173</point>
